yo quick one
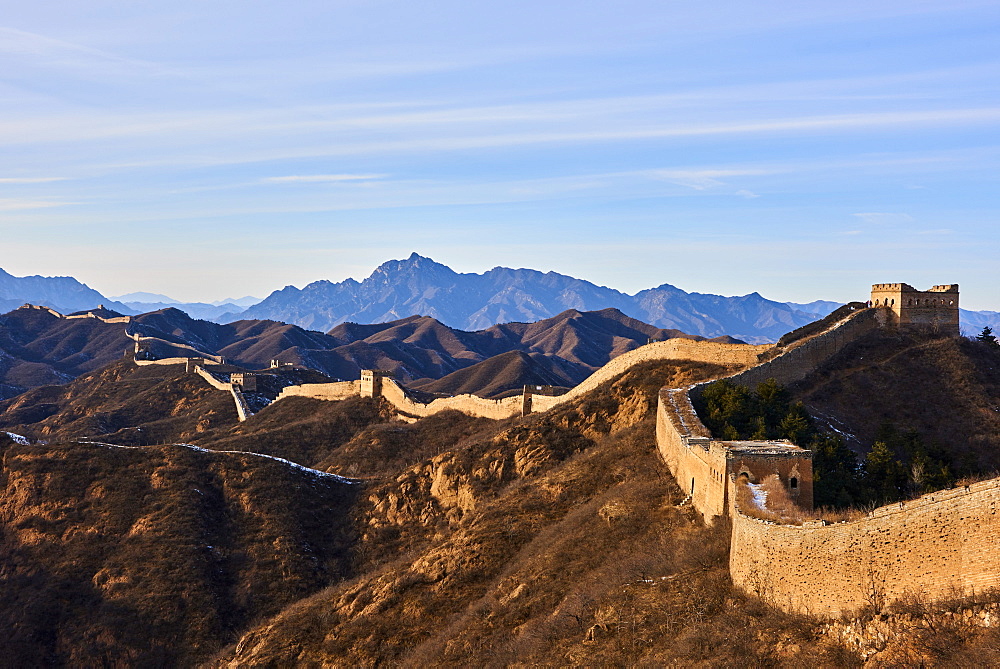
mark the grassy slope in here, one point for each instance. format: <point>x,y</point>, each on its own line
<point>948,390</point>
<point>155,556</point>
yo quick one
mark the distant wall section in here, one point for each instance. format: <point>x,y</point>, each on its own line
<point>806,355</point>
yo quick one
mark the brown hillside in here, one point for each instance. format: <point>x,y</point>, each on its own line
<point>552,539</point>
<point>121,403</point>
<point>155,556</point>
<point>300,429</point>
<point>500,374</point>
<point>947,389</point>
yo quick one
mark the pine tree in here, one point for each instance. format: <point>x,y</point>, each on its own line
<point>987,337</point>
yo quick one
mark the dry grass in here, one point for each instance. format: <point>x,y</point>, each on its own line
<point>781,508</point>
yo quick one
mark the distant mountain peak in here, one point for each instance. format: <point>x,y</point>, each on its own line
<point>418,285</point>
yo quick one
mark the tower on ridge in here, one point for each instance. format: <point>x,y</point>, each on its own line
<point>935,309</point>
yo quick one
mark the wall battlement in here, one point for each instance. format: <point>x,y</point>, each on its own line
<point>936,546</point>
<point>936,308</point>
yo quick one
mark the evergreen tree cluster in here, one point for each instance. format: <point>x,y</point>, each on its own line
<point>898,464</point>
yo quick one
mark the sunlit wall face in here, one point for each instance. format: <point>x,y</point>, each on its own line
<point>209,150</point>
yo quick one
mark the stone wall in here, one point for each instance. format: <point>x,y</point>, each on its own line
<point>375,384</point>
<point>804,356</point>
<point>937,546</point>
<point>467,404</point>
<point>670,349</point>
<point>176,361</point>
<point>698,463</point>
<point>212,381</point>
<point>242,408</point>
<point>116,319</point>
<point>340,390</point>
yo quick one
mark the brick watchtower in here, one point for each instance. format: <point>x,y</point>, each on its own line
<point>935,309</point>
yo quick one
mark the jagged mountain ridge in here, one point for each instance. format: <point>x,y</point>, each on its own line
<point>420,286</point>
<point>62,293</point>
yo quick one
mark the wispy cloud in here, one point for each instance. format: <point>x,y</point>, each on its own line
<point>884,218</point>
<point>324,178</point>
<point>60,54</point>
<point>30,180</point>
<point>17,205</point>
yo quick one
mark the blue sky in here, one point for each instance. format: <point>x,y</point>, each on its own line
<point>803,150</point>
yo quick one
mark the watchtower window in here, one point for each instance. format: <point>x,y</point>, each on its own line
<point>692,486</point>
<point>794,483</point>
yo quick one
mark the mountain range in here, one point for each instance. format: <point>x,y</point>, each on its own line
<point>38,348</point>
<point>419,286</point>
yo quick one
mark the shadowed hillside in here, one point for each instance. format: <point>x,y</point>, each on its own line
<point>947,390</point>
<point>499,375</point>
<point>157,556</point>
<point>558,538</point>
<point>121,403</point>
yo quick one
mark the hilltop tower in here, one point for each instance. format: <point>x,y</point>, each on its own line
<point>935,309</point>
<point>371,381</point>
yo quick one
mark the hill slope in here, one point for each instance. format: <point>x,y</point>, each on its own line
<point>156,556</point>
<point>947,390</point>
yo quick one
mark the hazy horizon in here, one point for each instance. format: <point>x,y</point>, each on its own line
<point>211,151</point>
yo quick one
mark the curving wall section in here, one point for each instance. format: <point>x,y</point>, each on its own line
<point>467,404</point>
<point>671,349</point>
<point>340,390</point>
<point>937,546</point>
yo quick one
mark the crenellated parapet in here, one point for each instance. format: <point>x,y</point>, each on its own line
<point>935,309</point>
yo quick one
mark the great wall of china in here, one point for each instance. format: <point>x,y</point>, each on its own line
<point>937,546</point>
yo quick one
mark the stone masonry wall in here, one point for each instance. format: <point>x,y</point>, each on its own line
<point>467,404</point>
<point>698,464</point>
<point>322,391</point>
<point>803,357</point>
<point>671,349</point>
<point>937,546</point>
<point>242,408</point>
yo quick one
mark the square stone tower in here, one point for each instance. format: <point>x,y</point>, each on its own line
<point>371,381</point>
<point>935,309</point>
